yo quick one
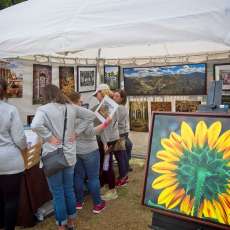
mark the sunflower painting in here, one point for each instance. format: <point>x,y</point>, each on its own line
<point>189,166</point>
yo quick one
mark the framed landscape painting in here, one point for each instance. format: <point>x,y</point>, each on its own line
<point>66,79</point>
<point>187,106</point>
<point>222,72</point>
<point>138,114</point>
<point>161,106</point>
<point>42,76</point>
<point>189,79</point>
<point>112,76</point>
<point>86,78</point>
<point>188,167</point>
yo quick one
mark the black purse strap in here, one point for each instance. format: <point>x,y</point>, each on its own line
<point>65,123</point>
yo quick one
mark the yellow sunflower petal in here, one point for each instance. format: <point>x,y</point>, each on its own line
<point>177,142</point>
<point>163,167</point>
<point>220,213</point>
<point>213,133</point>
<point>164,181</point>
<point>200,211</point>
<point>208,209</point>
<point>226,155</point>
<point>178,195</point>
<point>187,135</point>
<point>167,156</point>
<point>223,141</point>
<point>169,146</point>
<point>166,193</point>
<point>201,134</point>
<point>226,206</point>
<point>185,206</point>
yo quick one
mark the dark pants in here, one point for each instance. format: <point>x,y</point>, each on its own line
<point>128,146</point>
<point>106,177</point>
<point>122,160</point>
<point>9,200</point>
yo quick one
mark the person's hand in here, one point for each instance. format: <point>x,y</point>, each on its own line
<point>109,120</point>
<point>72,138</point>
<point>54,141</point>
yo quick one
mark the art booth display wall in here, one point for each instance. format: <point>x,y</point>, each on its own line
<point>188,167</point>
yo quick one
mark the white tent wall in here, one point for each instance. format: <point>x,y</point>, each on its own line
<point>169,27</point>
<point>26,107</point>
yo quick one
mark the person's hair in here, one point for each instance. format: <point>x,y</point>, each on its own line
<point>74,96</point>
<point>51,93</point>
<point>123,95</point>
<point>3,89</point>
<point>106,92</point>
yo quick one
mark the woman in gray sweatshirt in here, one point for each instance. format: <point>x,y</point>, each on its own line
<point>88,161</point>
<point>48,123</point>
<point>12,142</point>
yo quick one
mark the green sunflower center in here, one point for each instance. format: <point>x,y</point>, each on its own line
<point>203,173</point>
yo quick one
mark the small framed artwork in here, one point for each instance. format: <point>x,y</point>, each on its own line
<point>138,114</point>
<point>226,100</point>
<point>86,78</point>
<point>112,76</point>
<point>187,106</point>
<point>107,108</point>
<point>164,106</point>
<point>222,72</point>
<point>42,76</point>
<point>187,172</point>
<point>66,79</point>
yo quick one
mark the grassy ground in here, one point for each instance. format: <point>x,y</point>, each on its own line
<point>125,213</point>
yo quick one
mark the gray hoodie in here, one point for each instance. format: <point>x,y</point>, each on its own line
<point>123,120</point>
<point>12,140</point>
<point>49,120</point>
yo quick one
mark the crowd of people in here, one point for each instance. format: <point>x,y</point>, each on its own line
<point>89,147</point>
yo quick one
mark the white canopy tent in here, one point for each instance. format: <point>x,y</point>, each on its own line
<point>119,28</point>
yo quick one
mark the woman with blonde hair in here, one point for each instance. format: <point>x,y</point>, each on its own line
<point>106,141</point>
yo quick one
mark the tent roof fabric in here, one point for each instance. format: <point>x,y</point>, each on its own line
<point>120,28</point>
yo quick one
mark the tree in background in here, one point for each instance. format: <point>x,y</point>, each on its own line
<point>7,3</point>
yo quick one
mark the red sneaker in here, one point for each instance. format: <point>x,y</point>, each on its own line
<point>122,182</point>
<point>79,206</point>
<point>99,208</point>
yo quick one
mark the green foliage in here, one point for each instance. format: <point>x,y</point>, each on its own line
<point>7,3</point>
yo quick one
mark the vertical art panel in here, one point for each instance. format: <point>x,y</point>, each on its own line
<point>138,113</point>
<point>42,76</point>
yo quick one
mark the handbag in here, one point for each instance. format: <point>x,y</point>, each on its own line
<point>119,145</point>
<point>55,161</point>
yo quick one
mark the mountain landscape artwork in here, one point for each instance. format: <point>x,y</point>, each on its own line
<point>187,79</point>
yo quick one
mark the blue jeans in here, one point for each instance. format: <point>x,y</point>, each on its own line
<point>87,166</point>
<point>64,202</point>
<point>122,160</point>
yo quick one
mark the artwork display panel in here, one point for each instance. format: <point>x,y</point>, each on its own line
<point>66,79</point>
<point>138,114</point>
<point>187,173</point>
<point>188,79</point>
<point>187,106</point>
<point>161,106</point>
<point>87,78</point>
<point>42,76</point>
<point>13,74</point>
<point>222,72</point>
<point>112,76</point>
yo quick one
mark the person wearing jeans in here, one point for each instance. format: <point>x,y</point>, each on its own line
<point>48,123</point>
<point>12,142</point>
<point>88,161</point>
<point>61,186</point>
